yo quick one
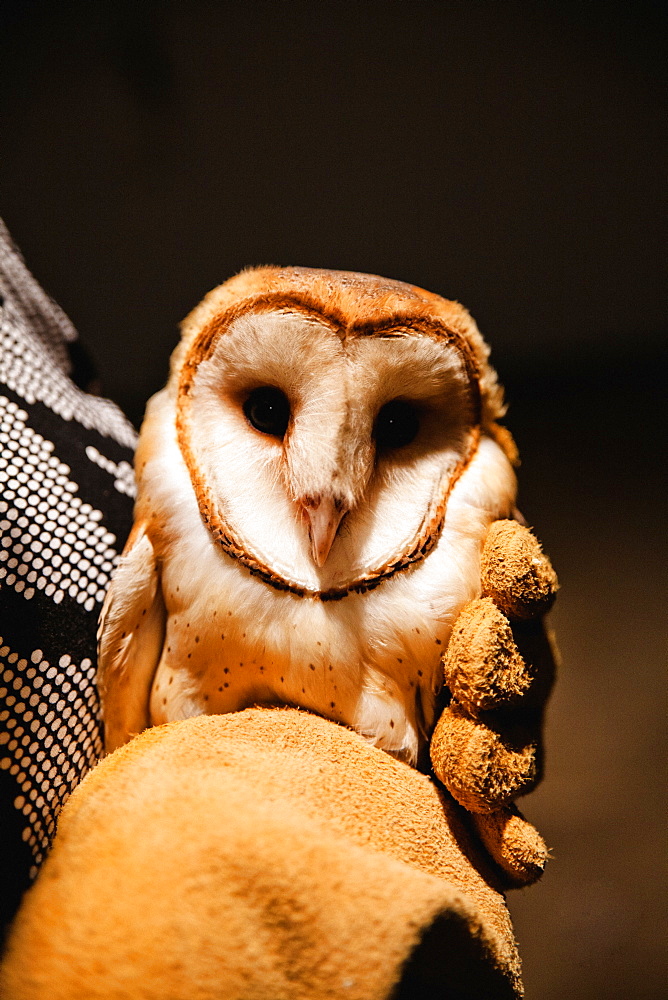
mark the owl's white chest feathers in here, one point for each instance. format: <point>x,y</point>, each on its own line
<point>368,660</point>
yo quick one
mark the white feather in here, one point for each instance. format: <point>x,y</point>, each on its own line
<point>132,627</point>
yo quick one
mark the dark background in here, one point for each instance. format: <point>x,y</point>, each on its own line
<point>509,155</point>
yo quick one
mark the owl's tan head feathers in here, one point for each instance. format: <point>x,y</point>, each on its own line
<point>359,303</point>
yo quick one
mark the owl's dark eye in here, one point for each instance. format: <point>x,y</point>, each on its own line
<point>397,424</point>
<point>268,410</point>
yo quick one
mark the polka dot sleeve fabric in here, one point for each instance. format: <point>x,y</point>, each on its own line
<point>66,494</point>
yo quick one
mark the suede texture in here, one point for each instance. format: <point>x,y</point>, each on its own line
<point>265,854</point>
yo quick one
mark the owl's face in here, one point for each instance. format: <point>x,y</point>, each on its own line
<point>322,442</point>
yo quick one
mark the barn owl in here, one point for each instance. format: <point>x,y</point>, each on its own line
<point>314,486</point>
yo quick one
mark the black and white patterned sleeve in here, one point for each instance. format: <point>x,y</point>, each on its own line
<point>66,495</point>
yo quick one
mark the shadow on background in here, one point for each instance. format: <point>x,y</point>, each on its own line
<point>507,155</point>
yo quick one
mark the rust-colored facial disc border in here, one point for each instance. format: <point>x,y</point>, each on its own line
<point>399,323</point>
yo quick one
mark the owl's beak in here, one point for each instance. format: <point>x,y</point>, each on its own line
<point>324,520</point>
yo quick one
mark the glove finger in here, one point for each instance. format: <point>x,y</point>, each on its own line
<point>483,667</point>
<point>483,766</point>
<point>516,573</point>
<point>514,844</point>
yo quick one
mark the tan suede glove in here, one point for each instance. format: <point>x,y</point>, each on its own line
<point>499,667</point>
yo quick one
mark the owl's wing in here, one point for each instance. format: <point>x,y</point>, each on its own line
<point>130,640</point>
